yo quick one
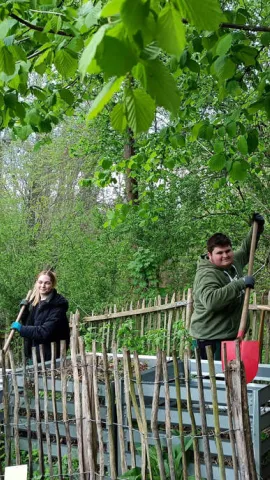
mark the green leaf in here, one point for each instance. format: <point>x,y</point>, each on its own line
<point>118,117</point>
<point>116,56</point>
<point>206,15</point>
<point>238,171</point>
<point>265,39</point>
<point>218,146</point>
<point>242,144</point>
<point>171,32</point>
<point>256,106</point>
<point>246,54</point>
<point>224,67</point>
<point>23,132</point>
<point>192,65</point>
<point>5,27</point>
<point>7,62</point>
<point>217,162</point>
<point>104,96</point>
<point>134,14</point>
<point>111,8</point>
<point>161,85</point>
<point>90,51</point>
<point>224,44</point>
<point>66,95</point>
<point>140,110</point>
<point>66,62</point>
<point>252,140</point>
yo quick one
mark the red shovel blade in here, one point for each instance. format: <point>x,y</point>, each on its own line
<point>249,353</point>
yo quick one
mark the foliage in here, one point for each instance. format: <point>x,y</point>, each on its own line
<point>136,473</point>
<point>128,336</point>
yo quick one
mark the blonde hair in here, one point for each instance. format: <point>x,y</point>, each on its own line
<point>35,296</point>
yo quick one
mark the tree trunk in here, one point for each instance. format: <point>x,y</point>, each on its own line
<point>132,193</point>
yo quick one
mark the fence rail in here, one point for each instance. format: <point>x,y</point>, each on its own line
<point>161,321</point>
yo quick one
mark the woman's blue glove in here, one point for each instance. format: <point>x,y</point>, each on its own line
<point>16,326</point>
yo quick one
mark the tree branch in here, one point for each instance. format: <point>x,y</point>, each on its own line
<point>251,28</point>
<point>235,26</point>
<point>35,27</point>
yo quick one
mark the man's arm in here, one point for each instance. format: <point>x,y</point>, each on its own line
<point>214,297</point>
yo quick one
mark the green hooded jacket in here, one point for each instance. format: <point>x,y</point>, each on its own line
<point>218,297</point>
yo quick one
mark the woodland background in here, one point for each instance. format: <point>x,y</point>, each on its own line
<point>121,203</point>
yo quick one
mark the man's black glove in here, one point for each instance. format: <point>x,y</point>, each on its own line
<point>257,217</point>
<point>249,281</point>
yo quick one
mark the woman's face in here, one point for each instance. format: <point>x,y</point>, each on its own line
<point>44,285</point>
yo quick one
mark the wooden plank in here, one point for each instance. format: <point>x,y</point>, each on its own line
<point>131,313</point>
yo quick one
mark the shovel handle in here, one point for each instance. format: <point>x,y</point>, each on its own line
<point>243,321</point>
<point>5,348</point>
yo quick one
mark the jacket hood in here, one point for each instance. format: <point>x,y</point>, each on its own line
<point>205,264</point>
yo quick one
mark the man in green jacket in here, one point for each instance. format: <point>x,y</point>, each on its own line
<point>219,290</point>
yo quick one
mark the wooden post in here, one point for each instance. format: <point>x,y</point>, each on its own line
<point>77,399</point>
<point>230,417</point>
<point>119,411</point>
<point>28,416</point>
<point>154,417</point>
<point>63,365</point>
<point>212,374</point>
<point>206,447</point>
<point>180,416</point>
<point>38,415</point>
<point>128,411</point>
<point>54,406</point>
<point>6,394</point>
<point>16,409</point>
<point>241,422</point>
<point>168,417</point>
<point>97,412</point>
<point>88,428</point>
<point>192,419</point>
<point>46,409</point>
<point>110,426</point>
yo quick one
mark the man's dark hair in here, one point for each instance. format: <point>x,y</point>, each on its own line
<point>218,240</point>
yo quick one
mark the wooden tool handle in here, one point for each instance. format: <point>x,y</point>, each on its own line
<point>17,320</point>
<point>243,321</point>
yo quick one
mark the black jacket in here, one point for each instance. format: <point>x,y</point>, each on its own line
<point>45,323</point>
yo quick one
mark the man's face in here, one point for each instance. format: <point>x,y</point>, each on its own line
<point>221,256</point>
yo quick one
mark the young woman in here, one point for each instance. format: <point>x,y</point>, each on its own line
<point>45,317</point>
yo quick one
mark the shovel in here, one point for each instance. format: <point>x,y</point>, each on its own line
<point>5,348</point>
<point>249,350</point>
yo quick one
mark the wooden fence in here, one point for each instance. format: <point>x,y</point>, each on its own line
<point>95,416</point>
<point>165,323</point>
